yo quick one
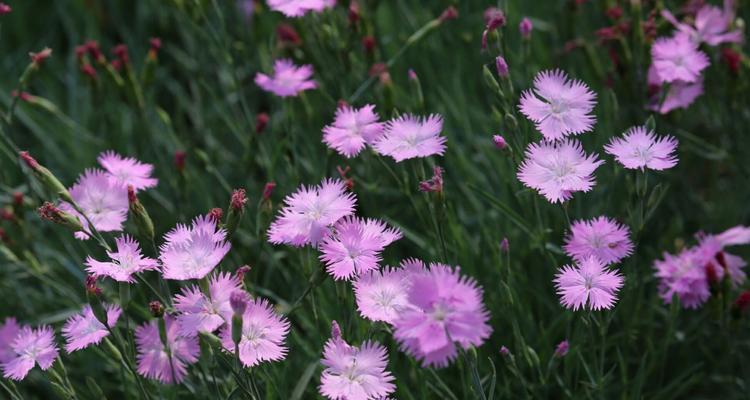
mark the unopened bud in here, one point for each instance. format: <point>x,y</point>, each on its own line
<point>46,177</point>
<point>505,246</point>
<point>525,28</point>
<point>238,302</point>
<point>353,12</point>
<point>500,142</point>
<point>141,218</point>
<point>52,213</point>
<point>236,211</point>
<point>121,52</point>
<point>179,161</point>
<point>268,191</point>
<point>368,43</point>
<point>5,9</point>
<point>501,66</point>
<point>216,215</point>
<point>335,331</point>
<point>287,35</point>
<point>449,14</point>
<point>242,272</point>
<point>38,58</point>
<point>562,349</point>
<point>156,309</point>
<point>261,121</point>
<point>92,294</point>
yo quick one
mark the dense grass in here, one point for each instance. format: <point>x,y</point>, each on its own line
<point>202,100</point>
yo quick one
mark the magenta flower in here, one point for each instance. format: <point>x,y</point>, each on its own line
<point>125,262</point>
<point>355,246</point>
<point>193,252</point>
<point>127,170</point>
<point>352,129</point>
<point>309,212</point>
<point>447,311</point>
<point>154,360</point>
<point>711,25</point>
<point>681,275</point>
<point>83,329</point>
<point>298,8</point>
<point>588,285</point>
<point>602,237</point>
<point>30,347</point>
<point>8,332</point>
<point>559,106</point>
<point>640,148</point>
<point>409,136</point>
<point>263,334</point>
<point>556,170</point>
<point>355,373</point>
<point>678,59</point>
<point>201,313</point>
<point>288,80</point>
<point>382,295</point>
<point>104,201</point>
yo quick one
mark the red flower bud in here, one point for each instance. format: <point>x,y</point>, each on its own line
<point>261,120</point>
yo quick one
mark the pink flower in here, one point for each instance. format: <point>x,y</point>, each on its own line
<point>30,347</point>
<point>447,311</point>
<point>355,373</point>
<point>298,8</point>
<point>125,262</point>
<point>710,253</point>
<point>309,212</point>
<point>192,253</point>
<point>352,129</point>
<point>678,59</point>
<point>153,358</point>
<point>559,106</point>
<point>640,148</point>
<point>681,275</point>
<point>8,332</point>
<point>409,136</point>
<point>556,170</point>
<point>263,334</point>
<point>288,79</point>
<point>602,237</point>
<point>588,285</point>
<point>83,329</point>
<point>355,245</point>
<point>201,313</point>
<point>712,25</point>
<point>679,95</point>
<point>127,170</point>
<point>382,295</point>
<point>105,202</point>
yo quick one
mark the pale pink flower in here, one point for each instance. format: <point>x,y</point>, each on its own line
<point>153,358</point>
<point>678,59</point>
<point>711,254</point>
<point>201,313</point>
<point>352,129</point>
<point>712,25</point>
<point>409,136</point>
<point>683,276</point>
<point>104,202</point>
<point>127,170</point>
<point>602,237</point>
<point>82,330</point>
<point>8,331</point>
<point>287,80</point>
<point>447,312</point>
<point>382,295</point>
<point>355,245</point>
<point>558,169</point>
<point>309,212</point>
<point>125,262</point>
<point>263,334</point>
<point>193,252</point>
<point>559,106</point>
<point>298,8</point>
<point>588,285</point>
<point>640,148</point>
<point>355,373</point>
<point>30,347</point>
<point>679,94</point>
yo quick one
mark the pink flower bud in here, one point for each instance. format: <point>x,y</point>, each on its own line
<point>239,199</point>
<point>449,14</point>
<point>368,42</point>
<point>156,308</point>
<point>335,331</point>
<point>179,160</point>
<point>500,142</point>
<point>505,246</point>
<point>525,28</point>
<point>242,271</point>
<point>38,58</point>
<point>5,9</point>
<point>155,43</point>
<point>502,67</point>
<point>268,190</point>
<point>562,349</point>
<point>216,214</point>
<point>261,120</point>
<point>29,160</point>
<point>412,75</point>
<point>238,301</point>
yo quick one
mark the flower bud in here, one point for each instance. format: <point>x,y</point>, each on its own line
<point>50,212</point>
<point>335,331</point>
<point>449,14</point>
<point>236,211</point>
<point>241,272</point>
<point>505,246</point>
<point>261,120</point>
<point>500,142</point>
<point>46,178</point>
<point>434,184</point>
<point>238,301</point>
<point>562,349</point>
<point>5,9</point>
<point>368,43</point>
<point>505,352</point>
<point>268,191</point>
<point>525,28</point>
<point>142,220</point>
<point>501,66</point>
<point>92,294</point>
<point>156,309</point>
<point>38,58</point>
<point>287,36</point>
<point>179,161</point>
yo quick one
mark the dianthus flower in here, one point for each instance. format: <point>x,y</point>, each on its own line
<point>288,80</point>
<point>263,334</point>
<point>602,237</point>
<point>193,252</point>
<point>83,329</point>
<point>125,262</point>
<point>588,285</point>
<point>154,361</point>
<point>409,136</point>
<point>640,148</point>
